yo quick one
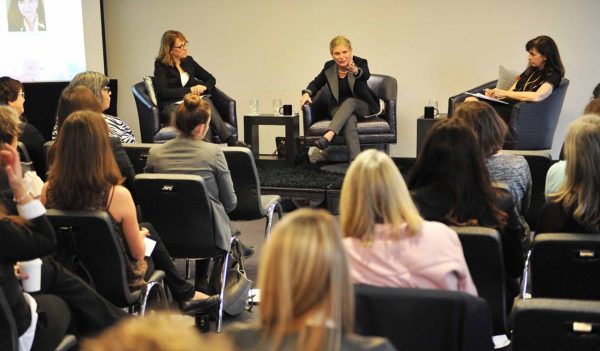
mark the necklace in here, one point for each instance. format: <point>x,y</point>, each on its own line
<point>528,79</point>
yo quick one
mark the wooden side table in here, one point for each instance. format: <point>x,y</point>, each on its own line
<point>423,126</point>
<point>292,134</point>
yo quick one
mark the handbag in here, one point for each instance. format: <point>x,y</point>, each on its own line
<point>238,285</point>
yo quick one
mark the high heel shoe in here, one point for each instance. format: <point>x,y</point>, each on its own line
<point>322,143</point>
<point>197,306</point>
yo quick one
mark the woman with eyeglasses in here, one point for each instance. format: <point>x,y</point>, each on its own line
<point>26,16</point>
<point>13,95</point>
<point>177,74</point>
<point>98,84</point>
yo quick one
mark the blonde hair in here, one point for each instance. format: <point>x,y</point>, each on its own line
<point>305,283</point>
<point>158,332</point>
<point>579,194</point>
<point>9,124</point>
<point>340,40</point>
<point>167,41</point>
<point>375,192</point>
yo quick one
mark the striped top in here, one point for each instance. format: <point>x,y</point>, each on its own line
<point>116,128</point>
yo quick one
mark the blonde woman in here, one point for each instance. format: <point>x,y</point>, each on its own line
<point>307,300</point>
<point>387,241</point>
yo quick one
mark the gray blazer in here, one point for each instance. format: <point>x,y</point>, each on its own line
<point>188,156</point>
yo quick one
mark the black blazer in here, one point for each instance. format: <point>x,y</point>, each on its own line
<point>358,84</point>
<point>167,81</point>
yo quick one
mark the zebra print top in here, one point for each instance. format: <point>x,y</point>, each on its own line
<point>116,128</point>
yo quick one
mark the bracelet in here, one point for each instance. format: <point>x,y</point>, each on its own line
<point>18,201</point>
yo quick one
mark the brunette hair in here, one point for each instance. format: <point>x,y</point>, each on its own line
<point>76,98</point>
<point>166,45</point>
<point>9,90</point>
<point>451,156</point>
<point>596,92</point>
<point>593,107</point>
<point>190,113</point>
<point>83,165</point>
<point>485,122</point>
<point>579,193</point>
<point>304,277</point>
<point>547,47</point>
<point>374,192</point>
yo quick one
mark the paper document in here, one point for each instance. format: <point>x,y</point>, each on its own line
<point>481,96</point>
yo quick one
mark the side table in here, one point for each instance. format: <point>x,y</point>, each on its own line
<point>423,126</point>
<point>292,134</point>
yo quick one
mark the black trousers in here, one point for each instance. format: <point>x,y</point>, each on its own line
<point>216,121</point>
<point>53,321</point>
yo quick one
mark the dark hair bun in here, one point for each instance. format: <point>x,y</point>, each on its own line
<point>192,101</point>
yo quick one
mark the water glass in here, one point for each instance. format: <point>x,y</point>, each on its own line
<point>254,106</point>
<point>433,103</point>
<point>276,106</point>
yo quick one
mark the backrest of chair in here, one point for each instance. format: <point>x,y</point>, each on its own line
<point>7,319</point>
<point>245,183</point>
<point>23,153</point>
<point>180,209</point>
<point>554,324</point>
<point>482,248</point>
<point>148,114</point>
<point>419,319</point>
<point>138,155</point>
<point>92,237</point>
<point>566,265</point>
<point>535,123</point>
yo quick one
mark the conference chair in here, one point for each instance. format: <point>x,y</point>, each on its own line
<point>179,207</point>
<point>482,248</point>
<point>251,204</point>
<point>422,319</point>
<point>23,153</point>
<point>534,123</point>
<point>138,155</point>
<point>151,129</point>
<point>565,266</point>
<point>379,130</point>
<point>555,325</point>
<point>90,237</point>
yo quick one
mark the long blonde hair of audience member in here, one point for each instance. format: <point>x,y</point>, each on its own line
<point>305,283</point>
<point>190,114</point>
<point>579,194</point>
<point>9,132</point>
<point>157,332</point>
<point>166,45</point>
<point>83,165</point>
<point>375,192</point>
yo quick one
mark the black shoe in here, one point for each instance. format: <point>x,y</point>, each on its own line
<point>197,306</point>
<point>247,251</point>
<point>322,143</point>
<point>242,144</point>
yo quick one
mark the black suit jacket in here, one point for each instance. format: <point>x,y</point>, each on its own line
<point>167,81</point>
<point>358,84</point>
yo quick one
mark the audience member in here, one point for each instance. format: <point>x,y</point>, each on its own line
<point>93,183</point>
<point>451,184</point>
<point>177,74</point>
<point>12,94</point>
<point>188,153</point>
<point>307,300</point>
<point>81,98</point>
<point>157,332</point>
<point>575,207</point>
<point>351,98</point>
<point>387,241</point>
<point>98,84</point>
<point>512,170</point>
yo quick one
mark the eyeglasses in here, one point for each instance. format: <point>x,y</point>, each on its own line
<point>22,93</point>
<point>182,46</point>
<point>106,89</point>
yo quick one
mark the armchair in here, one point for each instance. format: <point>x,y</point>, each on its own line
<point>152,131</point>
<point>380,130</point>
<point>533,123</point>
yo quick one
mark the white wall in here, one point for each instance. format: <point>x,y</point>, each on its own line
<point>435,49</point>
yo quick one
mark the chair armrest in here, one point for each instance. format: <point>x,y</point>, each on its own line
<point>454,100</point>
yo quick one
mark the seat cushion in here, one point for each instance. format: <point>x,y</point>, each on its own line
<point>371,125</point>
<point>165,134</point>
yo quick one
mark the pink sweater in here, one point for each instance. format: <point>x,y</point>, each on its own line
<point>431,259</point>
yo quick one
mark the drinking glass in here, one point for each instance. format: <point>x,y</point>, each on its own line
<point>276,106</point>
<point>254,106</point>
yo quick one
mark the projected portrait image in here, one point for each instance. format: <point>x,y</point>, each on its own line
<point>26,15</point>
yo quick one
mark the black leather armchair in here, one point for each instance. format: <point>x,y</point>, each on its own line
<point>534,123</point>
<point>380,130</point>
<point>149,115</point>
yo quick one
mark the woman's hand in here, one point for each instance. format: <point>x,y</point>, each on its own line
<point>144,232</point>
<point>12,163</point>
<point>20,275</point>
<point>352,67</point>
<point>305,98</point>
<point>198,89</point>
<point>497,93</point>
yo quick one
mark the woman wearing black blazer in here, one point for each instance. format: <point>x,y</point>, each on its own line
<point>351,98</point>
<point>177,74</point>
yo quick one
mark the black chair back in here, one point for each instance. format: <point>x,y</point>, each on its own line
<point>23,153</point>
<point>180,209</point>
<point>482,248</point>
<point>566,266</point>
<point>138,155</point>
<point>91,236</point>
<point>420,319</point>
<point>555,325</point>
<point>148,114</point>
<point>245,183</point>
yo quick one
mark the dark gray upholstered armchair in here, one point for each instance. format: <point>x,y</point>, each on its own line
<point>153,131</point>
<point>534,122</point>
<point>380,130</point>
